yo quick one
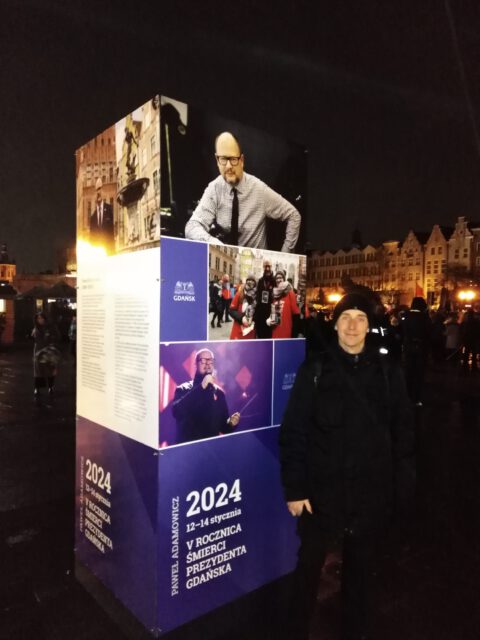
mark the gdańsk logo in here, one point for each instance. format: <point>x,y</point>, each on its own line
<point>184,292</point>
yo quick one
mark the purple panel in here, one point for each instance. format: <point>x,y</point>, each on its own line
<point>243,370</point>
<point>183,290</point>
<point>116,511</point>
<point>238,527</point>
<point>288,356</point>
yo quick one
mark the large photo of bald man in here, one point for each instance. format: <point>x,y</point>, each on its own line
<point>227,183</point>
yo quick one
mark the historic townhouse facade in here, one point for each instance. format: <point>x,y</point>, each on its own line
<point>436,256</point>
<point>411,267</point>
<point>330,269</point>
<point>423,264</point>
<point>475,229</point>
<point>459,261</point>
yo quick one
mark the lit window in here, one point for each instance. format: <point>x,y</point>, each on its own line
<point>156,181</point>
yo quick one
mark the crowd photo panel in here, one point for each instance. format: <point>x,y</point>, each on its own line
<point>191,298</point>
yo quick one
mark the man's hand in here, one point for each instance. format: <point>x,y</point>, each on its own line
<point>296,507</point>
<point>234,419</point>
<point>208,379</point>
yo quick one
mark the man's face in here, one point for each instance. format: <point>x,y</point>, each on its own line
<point>267,269</point>
<point>352,329</point>
<point>227,148</point>
<point>205,363</point>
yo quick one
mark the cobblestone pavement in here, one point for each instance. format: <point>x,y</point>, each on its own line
<point>427,578</point>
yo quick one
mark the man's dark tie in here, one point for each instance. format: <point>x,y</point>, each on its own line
<point>234,225</point>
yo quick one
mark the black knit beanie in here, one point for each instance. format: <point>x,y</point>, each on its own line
<point>353,301</point>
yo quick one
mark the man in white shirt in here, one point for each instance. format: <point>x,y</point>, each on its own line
<point>236,204</point>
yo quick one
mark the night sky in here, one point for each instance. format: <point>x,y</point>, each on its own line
<point>372,88</point>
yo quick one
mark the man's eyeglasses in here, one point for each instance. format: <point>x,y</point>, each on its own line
<point>234,160</point>
<point>206,360</point>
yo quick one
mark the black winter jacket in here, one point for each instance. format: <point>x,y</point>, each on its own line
<point>347,440</point>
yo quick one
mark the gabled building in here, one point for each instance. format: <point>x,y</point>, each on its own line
<point>475,251</point>
<point>436,254</point>
<point>8,268</point>
<point>410,271</point>
<point>331,269</point>
<point>389,265</point>
<point>459,260</point>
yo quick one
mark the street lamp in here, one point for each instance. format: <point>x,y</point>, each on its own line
<point>466,295</point>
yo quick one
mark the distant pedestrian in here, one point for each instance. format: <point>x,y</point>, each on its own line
<point>72,336</point>
<point>438,336</point>
<point>394,338</point>
<point>452,338</point>
<point>470,333</point>
<point>417,331</point>
<point>227,296</point>
<point>46,355</point>
<point>216,302</point>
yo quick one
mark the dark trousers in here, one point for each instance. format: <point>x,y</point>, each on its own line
<point>415,366</point>
<point>39,382</point>
<point>262,330</point>
<point>217,312</point>
<point>356,572</point>
<point>226,307</point>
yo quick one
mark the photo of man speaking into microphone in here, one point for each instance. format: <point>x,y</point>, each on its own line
<point>199,406</point>
<point>213,389</point>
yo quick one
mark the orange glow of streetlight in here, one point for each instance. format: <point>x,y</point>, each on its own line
<point>466,295</point>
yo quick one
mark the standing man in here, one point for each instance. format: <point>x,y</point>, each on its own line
<point>101,221</point>
<point>236,204</point>
<point>346,447</point>
<point>227,298</point>
<point>264,301</point>
<point>417,331</point>
<point>199,406</point>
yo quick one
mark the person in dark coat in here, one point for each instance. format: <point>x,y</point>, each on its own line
<point>438,336</point>
<point>263,310</point>
<point>346,452</point>
<point>101,221</point>
<point>470,333</point>
<point>46,355</point>
<point>417,333</point>
<point>216,302</point>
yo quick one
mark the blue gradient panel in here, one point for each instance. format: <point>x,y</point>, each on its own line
<point>221,502</point>
<point>116,515</point>
<point>288,356</point>
<point>183,290</point>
